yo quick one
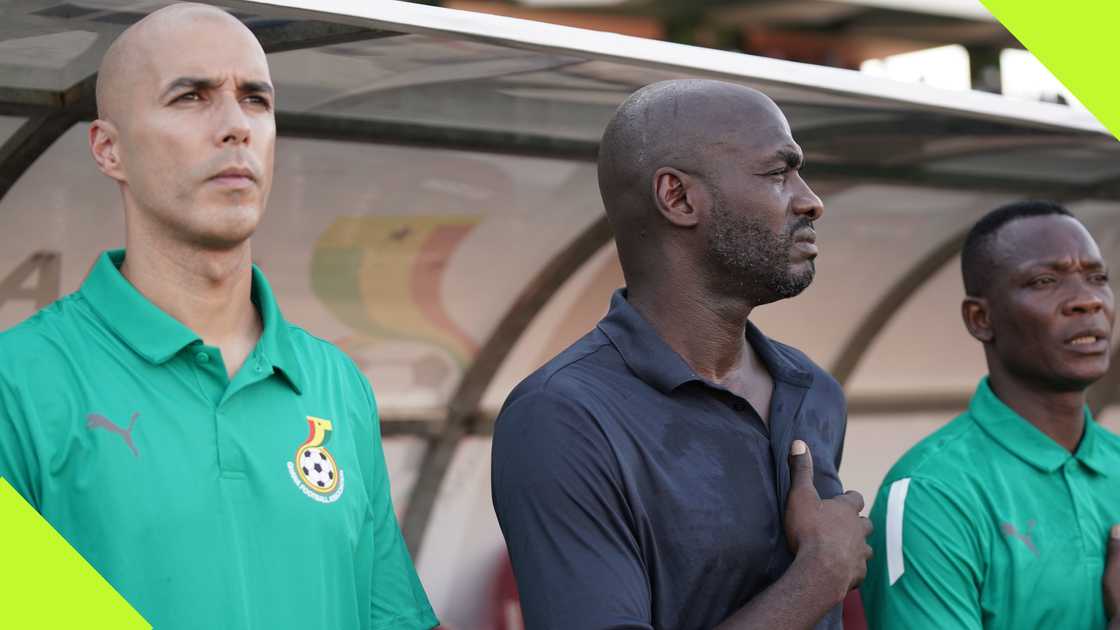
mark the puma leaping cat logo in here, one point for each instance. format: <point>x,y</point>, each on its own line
<point>95,421</point>
<point>1010,530</point>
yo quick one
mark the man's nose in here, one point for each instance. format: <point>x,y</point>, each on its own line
<point>233,124</point>
<point>806,202</point>
<point>1087,302</point>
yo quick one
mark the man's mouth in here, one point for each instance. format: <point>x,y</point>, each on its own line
<point>805,243</point>
<point>1090,341</point>
<point>235,176</point>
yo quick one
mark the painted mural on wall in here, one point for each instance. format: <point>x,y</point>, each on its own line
<point>381,276</point>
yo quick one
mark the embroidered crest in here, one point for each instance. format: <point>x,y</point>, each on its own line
<point>313,468</point>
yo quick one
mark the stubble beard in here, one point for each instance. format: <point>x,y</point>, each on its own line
<point>756,261</point>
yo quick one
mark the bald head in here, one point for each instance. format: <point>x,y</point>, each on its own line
<point>134,57</point>
<point>674,123</point>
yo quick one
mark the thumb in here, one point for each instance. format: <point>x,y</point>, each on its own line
<point>1114,544</point>
<point>801,466</point>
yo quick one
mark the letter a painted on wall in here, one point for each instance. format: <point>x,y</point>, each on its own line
<point>47,583</point>
<point>46,287</point>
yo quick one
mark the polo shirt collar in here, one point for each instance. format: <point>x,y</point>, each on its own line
<point>653,361</point>
<point>1027,442</point>
<point>143,327</point>
<point>275,345</point>
<point>157,337</point>
<point>1092,452</point>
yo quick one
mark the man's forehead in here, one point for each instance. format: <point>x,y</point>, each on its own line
<point>201,45</point>
<point>1044,239</point>
<point>767,143</point>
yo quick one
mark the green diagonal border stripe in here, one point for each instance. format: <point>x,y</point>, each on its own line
<point>1077,42</point>
<point>46,583</point>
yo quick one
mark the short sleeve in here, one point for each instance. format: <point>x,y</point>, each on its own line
<point>561,504</point>
<point>927,569</point>
<point>397,598</point>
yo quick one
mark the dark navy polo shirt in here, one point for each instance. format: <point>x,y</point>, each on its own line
<point>634,494</point>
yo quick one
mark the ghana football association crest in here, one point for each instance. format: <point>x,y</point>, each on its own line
<point>313,468</point>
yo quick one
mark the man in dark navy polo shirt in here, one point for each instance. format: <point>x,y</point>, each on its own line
<point>655,474</point>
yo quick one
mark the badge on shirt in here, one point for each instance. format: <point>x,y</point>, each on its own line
<point>313,468</point>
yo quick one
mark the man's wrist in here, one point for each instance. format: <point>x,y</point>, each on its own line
<point>820,576</point>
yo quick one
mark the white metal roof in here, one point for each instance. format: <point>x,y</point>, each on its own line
<point>415,18</point>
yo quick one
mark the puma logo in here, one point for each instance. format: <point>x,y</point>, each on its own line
<point>1009,530</point>
<point>98,421</point>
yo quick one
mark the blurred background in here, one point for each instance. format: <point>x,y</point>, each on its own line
<point>435,210</point>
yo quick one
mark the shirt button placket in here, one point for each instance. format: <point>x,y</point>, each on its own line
<point>229,456</point>
<point>1069,475</point>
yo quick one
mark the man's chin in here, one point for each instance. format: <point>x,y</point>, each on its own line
<point>1078,378</point>
<point>784,291</point>
<point>798,282</point>
<point>225,239</point>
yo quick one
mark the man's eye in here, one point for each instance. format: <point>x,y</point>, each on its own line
<point>1099,278</point>
<point>1042,281</point>
<point>259,100</point>
<point>189,96</point>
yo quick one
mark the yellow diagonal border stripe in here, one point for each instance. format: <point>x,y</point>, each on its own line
<point>46,583</point>
<point>1076,40</point>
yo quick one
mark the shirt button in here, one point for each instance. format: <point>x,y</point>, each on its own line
<point>202,357</point>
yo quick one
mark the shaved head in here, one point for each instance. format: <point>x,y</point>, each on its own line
<point>672,123</point>
<point>702,174</point>
<point>132,54</point>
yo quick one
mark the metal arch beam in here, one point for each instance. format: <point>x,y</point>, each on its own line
<point>40,131</point>
<point>348,129</point>
<point>906,286</point>
<point>372,131</point>
<point>463,408</point>
<point>916,176</point>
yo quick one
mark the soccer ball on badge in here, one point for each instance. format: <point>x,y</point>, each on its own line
<point>317,468</point>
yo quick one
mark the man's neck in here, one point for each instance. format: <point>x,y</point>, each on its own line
<point>1058,414</point>
<point>707,331</point>
<point>208,292</point>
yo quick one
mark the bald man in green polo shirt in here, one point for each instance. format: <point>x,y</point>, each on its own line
<point>220,467</point>
<point>1009,516</point>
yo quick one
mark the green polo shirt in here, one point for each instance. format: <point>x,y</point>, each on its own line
<point>257,502</point>
<point>988,523</point>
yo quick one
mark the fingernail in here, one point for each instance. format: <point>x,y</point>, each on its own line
<point>1116,532</point>
<point>799,448</point>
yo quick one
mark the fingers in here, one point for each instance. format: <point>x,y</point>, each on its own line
<point>801,465</point>
<point>867,526</point>
<point>861,569</point>
<point>853,499</point>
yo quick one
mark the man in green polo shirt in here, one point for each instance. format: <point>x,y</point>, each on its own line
<point>220,467</point>
<point>1007,516</point>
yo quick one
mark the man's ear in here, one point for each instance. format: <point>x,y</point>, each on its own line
<point>105,146</point>
<point>976,315</point>
<point>678,196</point>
